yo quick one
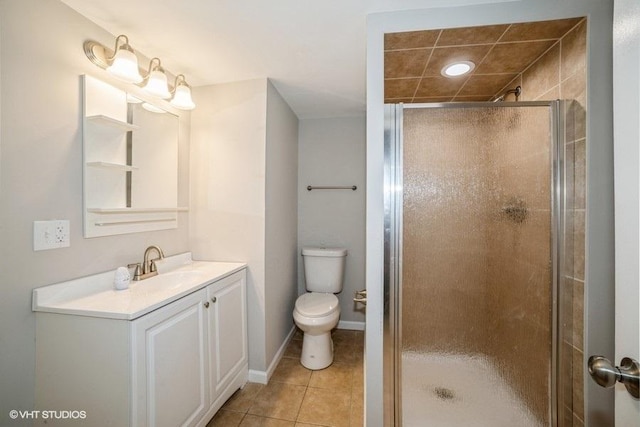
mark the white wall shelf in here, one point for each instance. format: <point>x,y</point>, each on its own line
<point>114,123</point>
<point>130,172</point>
<point>135,210</point>
<point>107,165</point>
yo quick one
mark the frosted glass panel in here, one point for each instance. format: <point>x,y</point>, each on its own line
<point>476,267</point>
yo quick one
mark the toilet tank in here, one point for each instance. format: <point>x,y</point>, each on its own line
<point>324,269</point>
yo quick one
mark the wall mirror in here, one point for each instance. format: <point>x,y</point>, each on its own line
<point>130,166</point>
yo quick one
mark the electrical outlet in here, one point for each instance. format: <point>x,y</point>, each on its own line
<point>50,234</point>
<point>62,233</point>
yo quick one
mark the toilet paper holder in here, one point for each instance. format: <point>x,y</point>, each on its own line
<point>361,296</point>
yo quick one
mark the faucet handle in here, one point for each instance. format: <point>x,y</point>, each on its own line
<point>136,274</point>
<point>152,266</point>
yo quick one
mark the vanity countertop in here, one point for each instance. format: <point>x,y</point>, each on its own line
<point>95,295</point>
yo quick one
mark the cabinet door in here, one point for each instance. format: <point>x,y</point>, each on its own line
<point>170,364</point>
<point>228,326</point>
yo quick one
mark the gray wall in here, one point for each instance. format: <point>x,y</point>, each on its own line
<point>282,220</point>
<point>227,192</point>
<point>243,201</point>
<point>41,177</point>
<point>332,152</point>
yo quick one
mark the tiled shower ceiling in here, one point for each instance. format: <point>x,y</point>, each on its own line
<point>413,60</point>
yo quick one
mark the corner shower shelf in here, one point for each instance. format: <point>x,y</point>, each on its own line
<point>111,122</point>
<point>116,166</point>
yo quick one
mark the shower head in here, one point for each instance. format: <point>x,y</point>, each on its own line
<point>517,91</point>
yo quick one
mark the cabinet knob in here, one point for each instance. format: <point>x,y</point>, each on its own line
<point>206,304</point>
<point>214,299</point>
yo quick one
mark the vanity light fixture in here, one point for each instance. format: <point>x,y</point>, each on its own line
<point>457,69</point>
<point>182,94</point>
<point>122,63</point>
<point>157,80</point>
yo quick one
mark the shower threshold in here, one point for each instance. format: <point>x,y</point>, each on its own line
<point>457,390</point>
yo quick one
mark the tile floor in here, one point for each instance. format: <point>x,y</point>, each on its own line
<point>299,397</point>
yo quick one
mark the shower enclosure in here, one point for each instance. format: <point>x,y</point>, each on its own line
<point>474,244</point>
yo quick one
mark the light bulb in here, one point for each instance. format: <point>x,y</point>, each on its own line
<point>182,98</point>
<point>157,84</point>
<point>125,65</point>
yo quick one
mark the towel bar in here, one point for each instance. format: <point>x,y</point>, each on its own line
<point>345,187</point>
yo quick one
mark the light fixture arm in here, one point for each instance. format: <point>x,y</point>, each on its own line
<point>100,55</point>
<point>180,80</point>
<point>156,80</point>
<point>152,68</point>
<point>124,45</point>
<point>181,93</point>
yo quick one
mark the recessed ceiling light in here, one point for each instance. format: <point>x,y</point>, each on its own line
<point>458,68</point>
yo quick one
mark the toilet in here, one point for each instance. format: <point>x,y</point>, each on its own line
<point>317,312</point>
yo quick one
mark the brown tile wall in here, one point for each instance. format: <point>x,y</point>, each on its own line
<point>561,74</point>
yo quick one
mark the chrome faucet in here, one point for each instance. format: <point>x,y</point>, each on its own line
<point>148,267</point>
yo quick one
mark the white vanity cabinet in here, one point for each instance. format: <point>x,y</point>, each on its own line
<point>227,318</point>
<point>171,372</point>
<point>174,366</point>
<point>189,353</point>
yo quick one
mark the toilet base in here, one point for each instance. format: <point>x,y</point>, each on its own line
<point>317,351</point>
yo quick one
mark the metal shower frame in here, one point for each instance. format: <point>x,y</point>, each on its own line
<point>392,285</point>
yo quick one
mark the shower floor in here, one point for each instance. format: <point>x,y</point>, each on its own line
<point>451,391</point>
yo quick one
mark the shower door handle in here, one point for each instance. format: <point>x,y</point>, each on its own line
<point>361,296</point>
<point>606,375</point>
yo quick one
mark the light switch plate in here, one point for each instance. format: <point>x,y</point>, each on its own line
<point>52,234</point>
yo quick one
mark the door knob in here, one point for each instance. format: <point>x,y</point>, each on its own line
<point>606,375</point>
<point>361,296</point>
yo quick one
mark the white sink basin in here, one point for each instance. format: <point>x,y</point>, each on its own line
<point>95,295</point>
<point>168,281</point>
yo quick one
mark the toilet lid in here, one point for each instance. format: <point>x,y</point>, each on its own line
<point>316,304</point>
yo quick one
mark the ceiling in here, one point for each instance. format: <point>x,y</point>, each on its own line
<point>313,52</point>
<point>414,60</point>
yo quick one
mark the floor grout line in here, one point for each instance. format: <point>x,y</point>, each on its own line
<point>349,345</point>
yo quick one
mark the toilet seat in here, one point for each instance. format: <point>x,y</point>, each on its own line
<point>316,304</point>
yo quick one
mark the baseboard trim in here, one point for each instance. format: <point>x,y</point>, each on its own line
<point>352,326</point>
<point>259,377</point>
<point>262,377</point>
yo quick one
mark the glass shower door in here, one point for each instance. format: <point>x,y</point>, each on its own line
<point>474,298</point>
